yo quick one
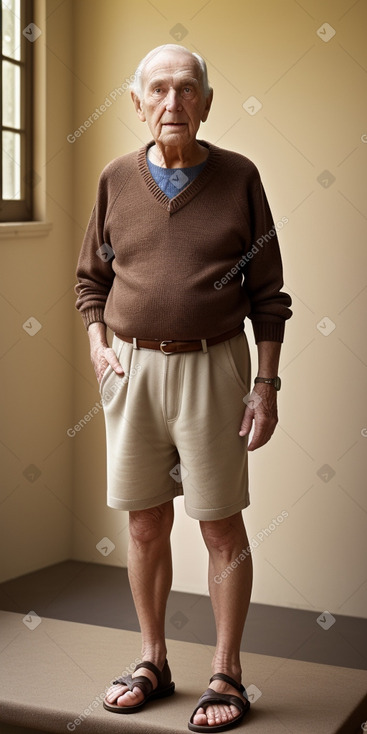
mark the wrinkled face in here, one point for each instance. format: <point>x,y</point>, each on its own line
<point>173,101</point>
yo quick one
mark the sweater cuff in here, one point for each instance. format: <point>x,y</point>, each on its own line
<point>90,315</point>
<point>268,331</point>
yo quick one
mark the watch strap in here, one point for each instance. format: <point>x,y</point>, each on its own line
<point>275,381</point>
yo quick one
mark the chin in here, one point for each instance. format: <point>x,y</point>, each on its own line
<point>171,138</point>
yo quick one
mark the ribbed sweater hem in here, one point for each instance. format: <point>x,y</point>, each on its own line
<point>91,315</point>
<point>268,331</point>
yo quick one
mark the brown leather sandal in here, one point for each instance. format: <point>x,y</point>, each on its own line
<point>164,688</point>
<point>211,697</point>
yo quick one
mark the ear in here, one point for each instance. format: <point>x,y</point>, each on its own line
<point>138,107</point>
<point>208,104</point>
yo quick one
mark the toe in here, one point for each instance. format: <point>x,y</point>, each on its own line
<point>224,714</point>
<point>200,718</point>
<point>228,713</point>
<point>121,696</point>
<point>114,692</point>
<point>234,711</point>
<point>218,715</point>
<point>131,698</point>
<point>215,715</point>
<point>212,715</point>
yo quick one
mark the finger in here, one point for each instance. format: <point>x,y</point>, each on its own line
<point>256,442</point>
<point>247,420</point>
<point>100,366</point>
<point>110,357</point>
<point>264,430</point>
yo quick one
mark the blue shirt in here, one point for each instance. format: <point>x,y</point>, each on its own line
<point>173,180</point>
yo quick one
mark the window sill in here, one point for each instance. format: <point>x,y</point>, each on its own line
<point>24,229</point>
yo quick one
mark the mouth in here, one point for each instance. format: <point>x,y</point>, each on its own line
<point>174,124</point>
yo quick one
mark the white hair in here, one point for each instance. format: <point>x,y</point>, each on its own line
<point>136,84</point>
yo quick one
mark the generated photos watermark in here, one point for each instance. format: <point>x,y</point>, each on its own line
<point>260,242</point>
<point>105,398</point>
<point>112,96</point>
<point>72,725</point>
<point>254,543</point>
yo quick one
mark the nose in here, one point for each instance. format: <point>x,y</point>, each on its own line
<point>173,101</point>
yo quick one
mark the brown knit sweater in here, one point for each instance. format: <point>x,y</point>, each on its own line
<point>191,267</point>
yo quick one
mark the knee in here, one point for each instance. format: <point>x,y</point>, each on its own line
<point>146,526</point>
<point>223,534</point>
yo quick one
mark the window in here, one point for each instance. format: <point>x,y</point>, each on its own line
<point>18,35</point>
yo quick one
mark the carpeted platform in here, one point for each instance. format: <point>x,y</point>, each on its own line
<point>54,673</point>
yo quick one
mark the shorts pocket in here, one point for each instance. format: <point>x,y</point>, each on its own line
<point>239,359</point>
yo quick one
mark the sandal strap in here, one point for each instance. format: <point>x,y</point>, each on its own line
<point>211,697</point>
<point>149,666</point>
<point>231,681</point>
<point>141,681</point>
<point>163,676</point>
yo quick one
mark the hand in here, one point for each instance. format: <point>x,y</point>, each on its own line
<point>100,353</point>
<point>102,357</point>
<point>263,410</point>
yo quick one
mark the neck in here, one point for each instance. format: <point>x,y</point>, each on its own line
<point>168,156</point>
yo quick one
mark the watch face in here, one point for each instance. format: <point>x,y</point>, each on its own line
<point>277,383</point>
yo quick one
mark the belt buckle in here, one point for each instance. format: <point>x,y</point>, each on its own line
<point>164,344</point>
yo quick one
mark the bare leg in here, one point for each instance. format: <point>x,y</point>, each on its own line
<point>230,597</point>
<point>150,576</point>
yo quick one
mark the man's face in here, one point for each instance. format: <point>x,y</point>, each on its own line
<point>173,101</point>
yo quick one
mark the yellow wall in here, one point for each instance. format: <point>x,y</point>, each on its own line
<point>312,119</point>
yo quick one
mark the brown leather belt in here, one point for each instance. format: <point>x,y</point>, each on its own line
<point>173,346</point>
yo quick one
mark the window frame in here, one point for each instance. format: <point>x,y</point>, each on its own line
<point>21,210</point>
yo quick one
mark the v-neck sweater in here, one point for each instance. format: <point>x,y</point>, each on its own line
<point>170,180</point>
<point>191,267</point>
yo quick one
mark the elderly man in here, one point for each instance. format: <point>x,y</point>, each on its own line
<point>180,248</point>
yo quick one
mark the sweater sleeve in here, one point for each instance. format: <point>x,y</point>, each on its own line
<point>263,272</point>
<point>94,271</point>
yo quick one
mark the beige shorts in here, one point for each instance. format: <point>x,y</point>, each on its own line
<point>172,428</point>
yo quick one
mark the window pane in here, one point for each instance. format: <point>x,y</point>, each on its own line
<point>11,165</point>
<point>11,29</point>
<point>11,94</point>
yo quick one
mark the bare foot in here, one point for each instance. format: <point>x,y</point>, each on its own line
<point>218,713</point>
<point>120,695</point>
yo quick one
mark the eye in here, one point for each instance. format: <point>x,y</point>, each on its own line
<point>187,91</point>
<point>157,89</point>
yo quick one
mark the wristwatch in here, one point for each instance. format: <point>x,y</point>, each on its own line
<point>275,381</point>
